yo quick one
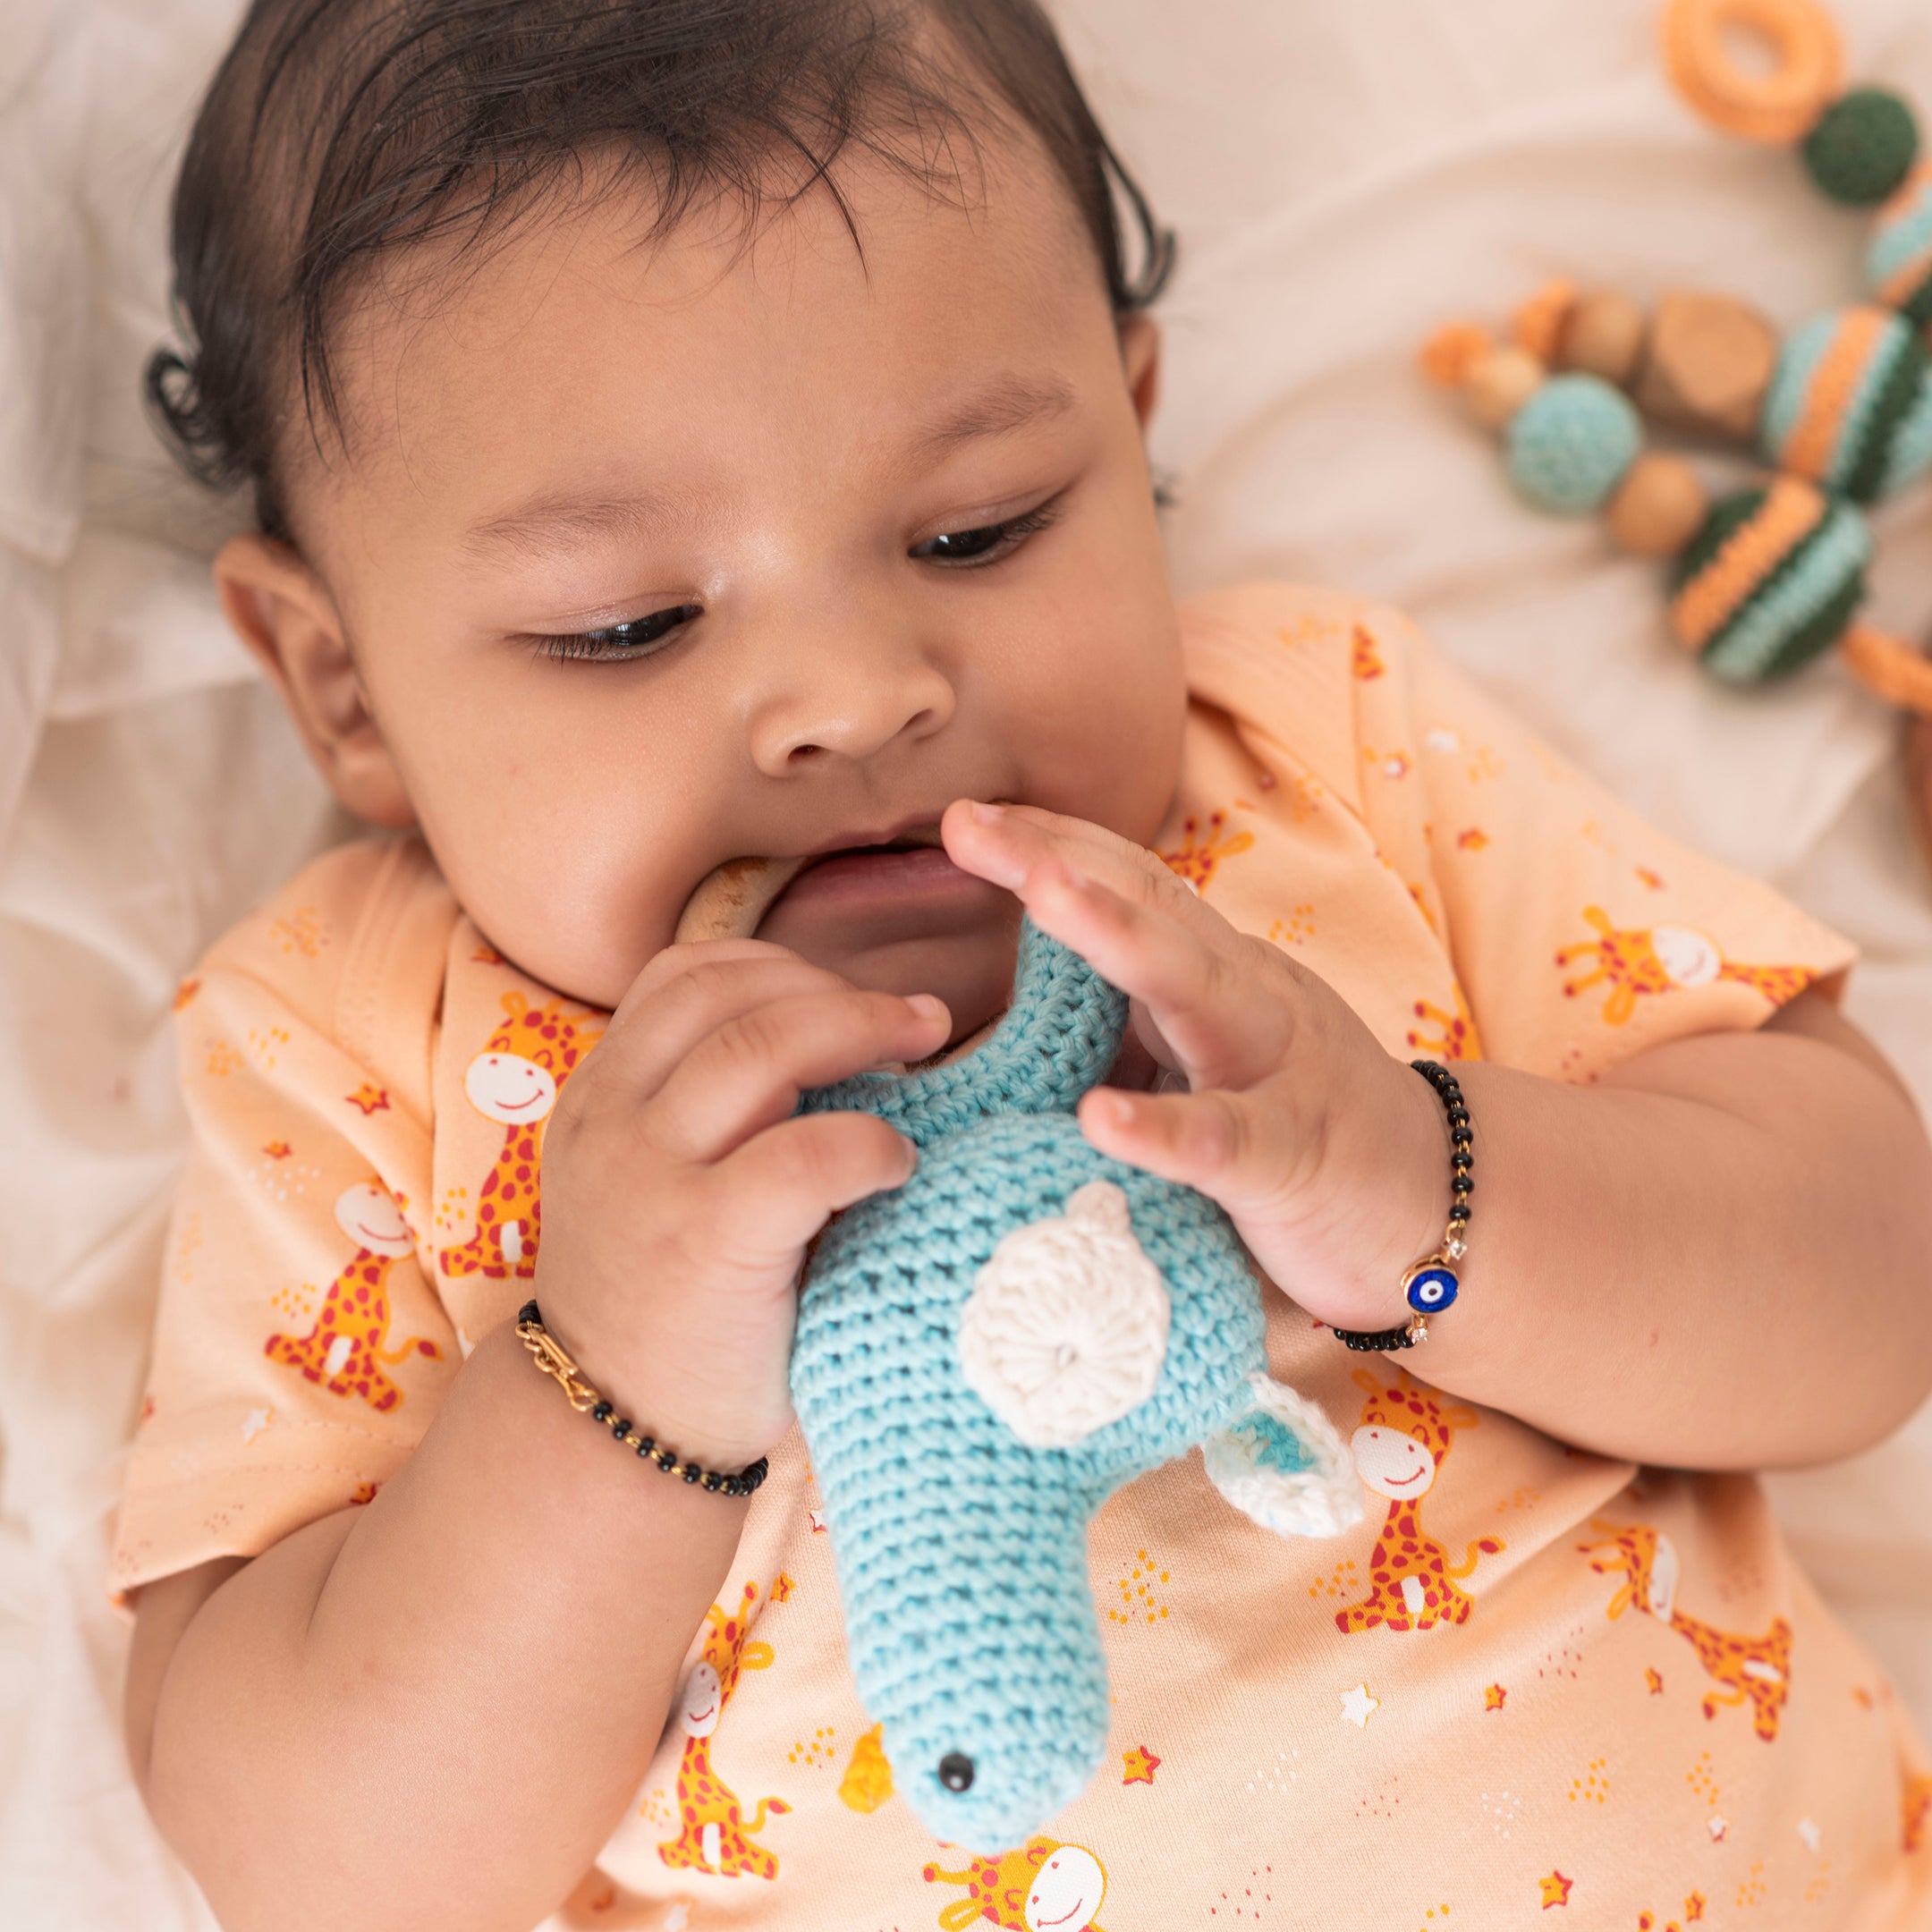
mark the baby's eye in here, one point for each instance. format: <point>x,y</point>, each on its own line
<point>620,643</point>
<point>988,542</point>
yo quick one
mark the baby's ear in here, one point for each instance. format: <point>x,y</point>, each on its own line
<point>282,613</point>
<point>1141,348</point>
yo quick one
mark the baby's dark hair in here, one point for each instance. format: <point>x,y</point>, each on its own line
<point>339,134</point>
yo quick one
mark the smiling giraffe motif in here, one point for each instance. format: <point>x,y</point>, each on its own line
<point>1404,1435</point>
<point>1044,1886</point>
<point>1651,960</point>
<point>1753,1668</point>
<point>344,1351</point>
<point>515,1080</point>
<point>715,1835</point>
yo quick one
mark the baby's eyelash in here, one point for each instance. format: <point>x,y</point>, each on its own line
<point>619,643</point>
<point>988,542</point>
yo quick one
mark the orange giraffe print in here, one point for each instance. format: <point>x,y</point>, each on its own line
<point>1639,962</point>
<point>1399,1448</point>
<point>1202,850</point>
<point>716,1836</point>
<point>1044,1886</point>
<point>516,1079</point>
<point>1753,1668</point>
<point>1452,1035</point>
<point>345,1349</point>
<point>1918,1813</point>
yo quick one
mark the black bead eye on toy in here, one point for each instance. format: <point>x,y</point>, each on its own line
<point>956,1771</point>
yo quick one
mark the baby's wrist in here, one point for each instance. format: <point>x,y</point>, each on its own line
<point>670,1406</point>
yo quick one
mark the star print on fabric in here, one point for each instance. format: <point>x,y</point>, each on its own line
<point>254,1422</point>
<point>782,1587</point>
<point>1472,840</point>
<point>276,1149</point>
<point>1693,1906</point>
<point>1358,1707</point>
<point>1810,1833</point>
<point>1655,1679</point>
<point>370,1097</point>
<point>185,992</point>
<point>1141,1765</point>
<point>816,1519</point>
<point>1556,1890</point>
<point>1493,1698</point>
<point>1717,1826</point>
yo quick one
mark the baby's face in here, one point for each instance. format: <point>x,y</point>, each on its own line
<point>653,558</point>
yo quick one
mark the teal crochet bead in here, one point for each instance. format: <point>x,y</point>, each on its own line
<point>1898,266</point>
<point>957,1482</point>
<point>1570,444</point>
<point>1863,146</point>
<point>1851,404</point>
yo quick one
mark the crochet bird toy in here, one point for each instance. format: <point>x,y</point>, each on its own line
<point>983,1357</point>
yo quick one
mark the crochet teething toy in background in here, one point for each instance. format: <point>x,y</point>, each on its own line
<point>982,1358</point>
<point>1771,576</point>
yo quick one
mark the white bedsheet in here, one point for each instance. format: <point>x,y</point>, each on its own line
<point>1343,175</point>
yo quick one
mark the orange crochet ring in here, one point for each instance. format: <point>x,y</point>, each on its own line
<point>1779,107</point>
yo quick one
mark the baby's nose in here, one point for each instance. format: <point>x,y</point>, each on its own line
<point>846,695</point>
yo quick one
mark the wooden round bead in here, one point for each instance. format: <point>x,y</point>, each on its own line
<point>1603,335</point>
<point>1502,383</point>
<point>1659,506</point>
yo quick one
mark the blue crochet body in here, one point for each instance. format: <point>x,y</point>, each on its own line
<point>962,1549</point>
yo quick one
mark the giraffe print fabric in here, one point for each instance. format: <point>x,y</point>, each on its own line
<point>1529,1685</point>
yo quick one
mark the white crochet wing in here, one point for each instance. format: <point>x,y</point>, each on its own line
<point>1281,1462</point>
<point>1066,1327</point>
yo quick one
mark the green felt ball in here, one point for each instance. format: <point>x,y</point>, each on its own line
<point>1863,146</point>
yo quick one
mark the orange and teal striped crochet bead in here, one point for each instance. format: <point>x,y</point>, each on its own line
<point>1776,577</point>
<point>1850,406</point>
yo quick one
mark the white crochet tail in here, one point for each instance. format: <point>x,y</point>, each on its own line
<point>1281,1462</point>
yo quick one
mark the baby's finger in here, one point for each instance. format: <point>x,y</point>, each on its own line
<point>1009,844</point>
<point>1205,991</point>
<point>1216,1142</point>
<point>683,1008</point>
<point>746,1075</point>
<point>786,1183</point>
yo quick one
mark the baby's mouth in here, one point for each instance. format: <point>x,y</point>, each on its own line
<point>733,901</point>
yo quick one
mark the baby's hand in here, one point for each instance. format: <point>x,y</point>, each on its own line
<point>1328,1154</point>
<point>680,1190</point>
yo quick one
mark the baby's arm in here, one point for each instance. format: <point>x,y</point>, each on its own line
<point>430,1712</point>
<point>1714,1258</point>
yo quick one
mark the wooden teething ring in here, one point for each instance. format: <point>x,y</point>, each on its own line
<point>1780,106</point>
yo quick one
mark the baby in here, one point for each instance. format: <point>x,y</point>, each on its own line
<point>704,522</point>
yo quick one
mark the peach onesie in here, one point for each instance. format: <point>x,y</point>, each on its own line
<point>1532,1680</point>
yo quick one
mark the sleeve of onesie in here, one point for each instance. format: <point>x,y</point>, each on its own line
<point>299,1348</point>
<point>1580,935</point>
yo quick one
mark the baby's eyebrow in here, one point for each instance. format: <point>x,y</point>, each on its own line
<point>534,526</point>
<point>1007,403</point>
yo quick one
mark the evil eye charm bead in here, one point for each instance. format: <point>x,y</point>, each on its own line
<point>1430,1288</point>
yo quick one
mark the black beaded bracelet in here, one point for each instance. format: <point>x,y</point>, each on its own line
<point>1433,1282</point>
<point>550,1355</point>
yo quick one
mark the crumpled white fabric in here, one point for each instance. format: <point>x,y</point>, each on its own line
<point>1344,177</point>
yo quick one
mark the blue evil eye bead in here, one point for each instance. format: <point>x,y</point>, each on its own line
<point>1572,442</point>
<point>1431,1289</point>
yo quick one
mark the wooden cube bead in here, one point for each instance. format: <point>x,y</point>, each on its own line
<point>1603,335</point>
<point>1659,506</point>
<point>1709,364</point>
